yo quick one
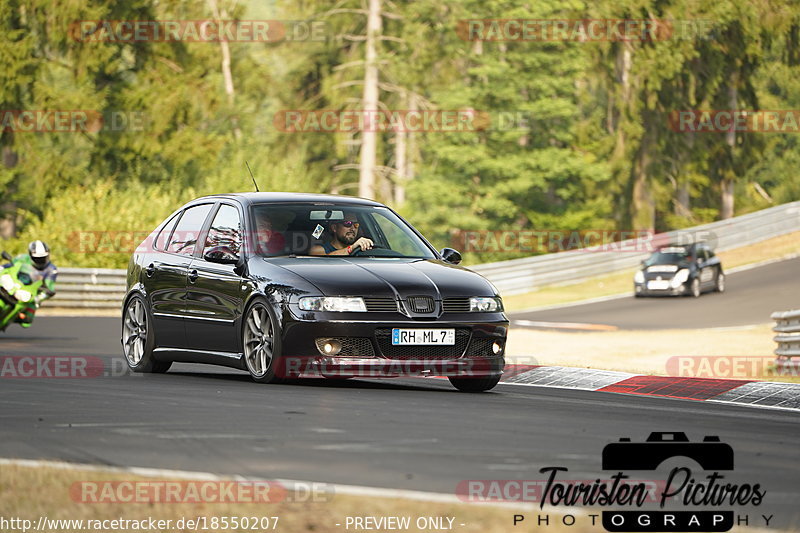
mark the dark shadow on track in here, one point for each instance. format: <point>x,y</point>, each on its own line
<point>354,383</point>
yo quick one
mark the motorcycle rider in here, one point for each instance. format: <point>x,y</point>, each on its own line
<point>38,256</point>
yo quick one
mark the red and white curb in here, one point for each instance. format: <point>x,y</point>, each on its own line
<point>741,392</point>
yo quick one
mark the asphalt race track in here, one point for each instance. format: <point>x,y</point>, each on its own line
<point>408,434</point>
<point>750,297</point>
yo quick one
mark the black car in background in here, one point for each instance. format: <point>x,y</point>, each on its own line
<point>685,270</point>
<point>229,280</point>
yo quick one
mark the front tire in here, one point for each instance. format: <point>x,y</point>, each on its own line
<point>475,384</point>
<point>694,288</point>
<point>261,343</point>
<point>719,285</point>
<point>138,339</point>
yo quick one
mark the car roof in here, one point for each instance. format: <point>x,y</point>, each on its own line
<point>280,197</point>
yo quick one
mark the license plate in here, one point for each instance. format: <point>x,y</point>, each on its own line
<point>423,336</point>
<point>656,284</point>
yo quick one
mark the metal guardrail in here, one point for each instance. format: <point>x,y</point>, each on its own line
<point>104,288</point>
<point>787,327</point>
<point>523,275</point>
<point>88,288</point>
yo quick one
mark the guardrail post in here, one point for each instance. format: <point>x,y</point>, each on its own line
<point>787,327</point>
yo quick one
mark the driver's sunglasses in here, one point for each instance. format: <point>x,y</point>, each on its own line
<point>349,223</point>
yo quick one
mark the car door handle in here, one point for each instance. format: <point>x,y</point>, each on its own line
<point>193,276</point>
<point>150,270</point>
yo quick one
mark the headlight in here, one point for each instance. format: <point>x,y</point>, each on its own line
<point>7,282</point>
<point>639,276</point>
<point>680,278</point>
<point>22,295</point>
<point>332,303</point>
<point>485,305</point>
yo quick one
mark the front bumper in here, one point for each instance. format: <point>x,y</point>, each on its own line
<point>471,356</point>
<point>640,289</point>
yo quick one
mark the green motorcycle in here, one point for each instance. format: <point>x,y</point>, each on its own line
<point>19,285</point>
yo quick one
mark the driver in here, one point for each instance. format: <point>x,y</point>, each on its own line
<point>343,238</point>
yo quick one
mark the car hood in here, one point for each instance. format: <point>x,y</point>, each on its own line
<point>386,277</point>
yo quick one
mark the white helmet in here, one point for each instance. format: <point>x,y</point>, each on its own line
<point>40,254</point>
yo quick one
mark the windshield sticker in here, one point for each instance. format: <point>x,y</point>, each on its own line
<point>318,231</point>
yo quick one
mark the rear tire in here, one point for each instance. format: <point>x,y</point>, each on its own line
<point>138,338</point>
<point>475,384</point>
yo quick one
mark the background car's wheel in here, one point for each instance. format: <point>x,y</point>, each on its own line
<point>475,384</point>
<point>694,288</point>
<point>719,286</point>
<point>261,342</point>
<point>138,338</point>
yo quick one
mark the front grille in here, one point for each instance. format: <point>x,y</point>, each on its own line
<point>456,305</point>
<point>384,338</point>
<point>381,305</point>
<point>351,346</point>
<point>421,304</point>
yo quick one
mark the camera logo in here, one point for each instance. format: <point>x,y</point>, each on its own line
<point>710,454</point>
<point>681,486</point>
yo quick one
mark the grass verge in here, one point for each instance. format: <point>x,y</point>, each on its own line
<point>731,353</point>
<point>33,492</point>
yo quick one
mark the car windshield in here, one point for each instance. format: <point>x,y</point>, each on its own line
<point>668,256</point>
<point>315,229</point>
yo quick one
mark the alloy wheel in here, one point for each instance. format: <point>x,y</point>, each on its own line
<point>135,332</point>
<point>258,341</point>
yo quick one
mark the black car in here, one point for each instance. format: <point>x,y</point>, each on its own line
<point>685,270</point>
<point>230,280</point>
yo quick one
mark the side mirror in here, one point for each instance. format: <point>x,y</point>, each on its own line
<point>221,257</point>
<point>451,256</point>
<point>7,256</point>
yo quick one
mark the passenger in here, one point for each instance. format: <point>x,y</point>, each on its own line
<point>268,241</point>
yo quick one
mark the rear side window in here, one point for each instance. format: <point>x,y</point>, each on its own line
<point>225,233</point>
<point>184,238</point>
<point>163,235</point>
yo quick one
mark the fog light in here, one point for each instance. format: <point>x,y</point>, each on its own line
<point>497,347</point>
<point>329,346</point>
<point>22,316</point>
